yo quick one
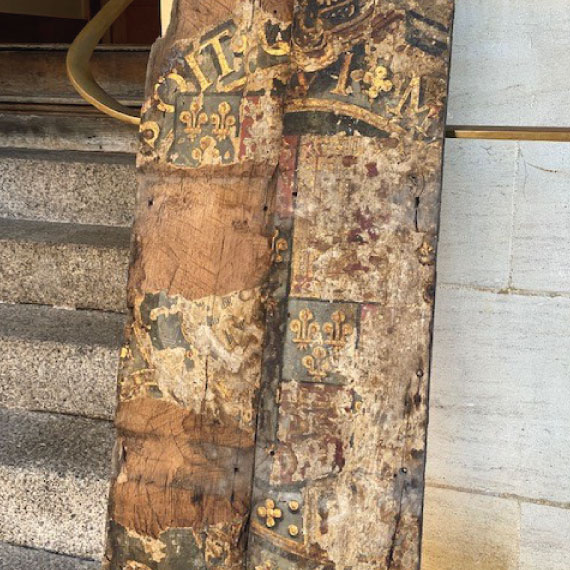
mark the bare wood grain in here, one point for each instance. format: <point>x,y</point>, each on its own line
<point>39,76</point>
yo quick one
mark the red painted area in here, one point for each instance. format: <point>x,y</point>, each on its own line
<point>371,169</point>
<point>287,175</point>
<point>249,118</point>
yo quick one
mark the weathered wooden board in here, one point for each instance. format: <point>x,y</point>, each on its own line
<point>289,257</point>
<point>341,436</point>
<point>191,371</point>
<point>38,75</point>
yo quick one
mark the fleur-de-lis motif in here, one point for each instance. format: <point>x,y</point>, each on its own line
<point>206,151</point>
<point>277,246</point>
<point>377,79</point>
<point>223,121</point>
<point>304,329</point>
<point>317,363</point>
<point>337,331</point>
<point>194,119</point>
<point>269,513</point>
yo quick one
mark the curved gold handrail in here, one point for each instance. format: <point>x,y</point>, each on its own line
<point>80,75</point>
<point>79,70</point>
<point>543,134</point>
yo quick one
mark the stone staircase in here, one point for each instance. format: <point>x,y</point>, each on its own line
<point>67,188</point>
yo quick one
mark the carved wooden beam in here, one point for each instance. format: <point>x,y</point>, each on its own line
<point>191,369</point>
<point>339,472</point>
<point>283,264</point>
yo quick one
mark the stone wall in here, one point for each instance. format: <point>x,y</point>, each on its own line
<point>498,495</point>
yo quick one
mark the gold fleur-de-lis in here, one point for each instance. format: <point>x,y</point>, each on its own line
<point>223,121</point>
<point>317,363</point>
<point>206,151</point>
<point>277,246</point>
<point>377,79</point>
<point>269,513</point>
<point>194,119</point>
<point>337,331</point>
<point>304,329</point>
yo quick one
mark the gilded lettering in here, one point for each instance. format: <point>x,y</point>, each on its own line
<point>341,86</point>
<point>216,45</point>
<point>412,93</point>
<point>203,81</point>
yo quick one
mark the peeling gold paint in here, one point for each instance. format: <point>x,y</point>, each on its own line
<point>154,547</point>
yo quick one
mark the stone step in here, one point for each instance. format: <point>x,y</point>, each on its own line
<point>54,479</point>
<point>59,360</point>
<point>71,187</point>
<point>66,128</point>
<point>24,558</point>
<point>65,265</point>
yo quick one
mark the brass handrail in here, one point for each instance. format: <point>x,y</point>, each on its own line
<point>79,70</point>
<point>81,78</point>
<point>545,134</point>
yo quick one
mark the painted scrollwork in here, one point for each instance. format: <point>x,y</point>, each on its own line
<point>317,21</point>
<point>149,132</point>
